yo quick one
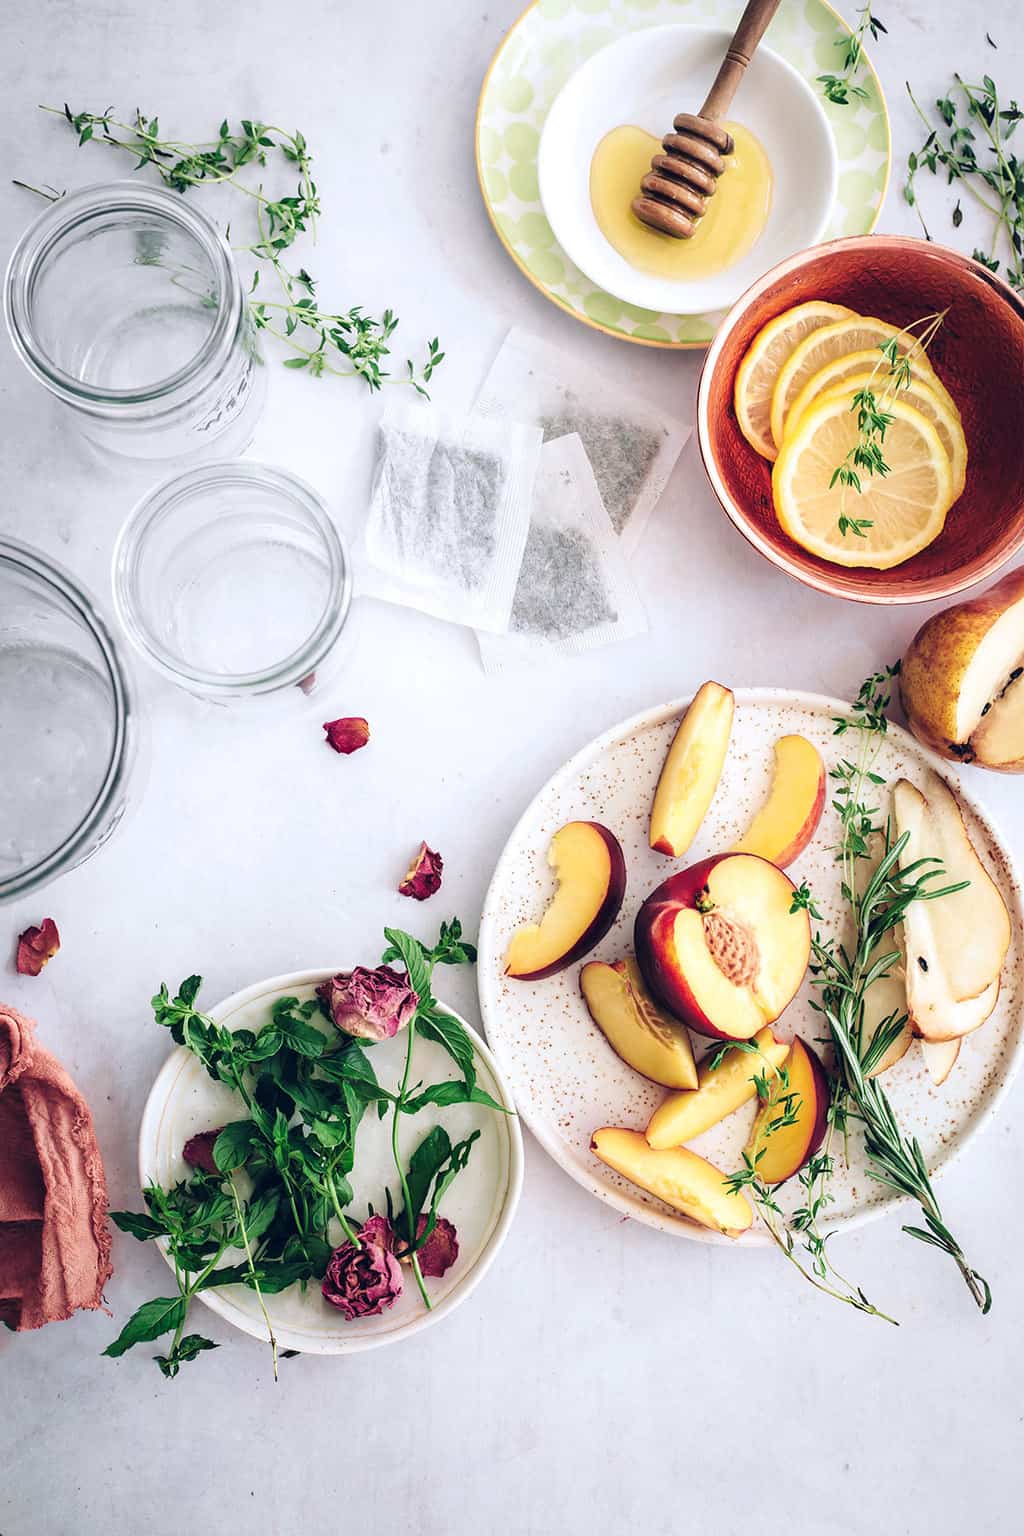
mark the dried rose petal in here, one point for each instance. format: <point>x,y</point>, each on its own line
<point>423,877</point>
<point>362,1281</point>
<point>347,734</point>
<point>198,1150</point>
<point>36,946</point>
<point>372,1005</point>
<point>441,1248</point>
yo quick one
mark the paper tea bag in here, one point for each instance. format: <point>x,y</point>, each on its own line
<point>632,445</point>
<point>575,592</point>
<point>449,513</point>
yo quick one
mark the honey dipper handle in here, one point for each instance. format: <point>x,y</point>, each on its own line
<point>745,39</point>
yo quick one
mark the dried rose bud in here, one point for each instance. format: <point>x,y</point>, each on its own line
<point>36,946</point>
<point>362,1281</point>
<point>347,734</point>
<point>441,1248</point>
<point>423,877</point>
<point>198,1150</point>
<point>373,1005</point>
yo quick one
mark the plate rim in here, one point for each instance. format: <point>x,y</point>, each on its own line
<point>757,1239</point>
<point>574,314</point>
<point>155,1103</point>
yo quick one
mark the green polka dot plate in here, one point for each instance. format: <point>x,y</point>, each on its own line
<point>548,44</point>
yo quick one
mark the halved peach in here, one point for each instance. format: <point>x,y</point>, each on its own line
<point>779,1153</point>
<point>685,1181</point>
<point>789,817</point>
<point>720,946</point>
<point>645,1037</point>
<point>720,1091</point>
<point>591,873</point>
<point>692,770</point>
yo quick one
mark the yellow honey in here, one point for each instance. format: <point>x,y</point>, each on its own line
<point>736,214</point>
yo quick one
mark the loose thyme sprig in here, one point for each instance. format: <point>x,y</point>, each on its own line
<point>839,88</point>
<point>346,343</point>
<point>867,456</point>
<point>966,112</point>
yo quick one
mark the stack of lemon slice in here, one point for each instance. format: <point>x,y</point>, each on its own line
<point>795,403</point>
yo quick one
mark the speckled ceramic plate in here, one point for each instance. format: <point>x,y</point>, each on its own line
<point>536,58</point>
<point>567,1080</point>
<point>481,1202</point>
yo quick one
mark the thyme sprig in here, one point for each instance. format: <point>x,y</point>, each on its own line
<point>838,88</point>
<point>969,145</point>
<point>345,343</point>
<point>867,456</point>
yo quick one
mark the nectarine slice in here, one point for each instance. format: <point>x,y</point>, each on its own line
<point>692,770</point>
<point>789,817</point>
<point>720,1091</point>
<point>721,947</point>
<point>781,1151</point>
<point>645,1037</point>
<point>591,873</point>
<point>685,1181</point>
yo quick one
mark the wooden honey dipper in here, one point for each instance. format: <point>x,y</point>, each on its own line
<point>674,193</point>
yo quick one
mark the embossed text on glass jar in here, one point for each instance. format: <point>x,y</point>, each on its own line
<point>125,302</point>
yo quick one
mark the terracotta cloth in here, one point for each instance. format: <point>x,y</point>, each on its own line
<point>54,1233</point>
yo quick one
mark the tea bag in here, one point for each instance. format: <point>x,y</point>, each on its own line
<point>632,445</point>
<point>575,592</point>
<point>449,513</point>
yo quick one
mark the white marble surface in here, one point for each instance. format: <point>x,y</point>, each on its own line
<point>604,1378</point>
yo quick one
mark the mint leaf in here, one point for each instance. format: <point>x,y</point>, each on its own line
<point>151,1320</point>
<point>447,1031</point>
<point>432,1154</point>
<point>414,957</point>
<point>233,1145</point>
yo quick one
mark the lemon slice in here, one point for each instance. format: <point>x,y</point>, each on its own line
<point>857,333</point>
<point>923,398</point>
<point>756,375</point>
<point>906,508</point>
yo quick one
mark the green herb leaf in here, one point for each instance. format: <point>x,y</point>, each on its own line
<point>151,1320</point>
<point>233,1145</point>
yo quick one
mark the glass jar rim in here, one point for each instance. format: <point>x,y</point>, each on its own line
<point>290,670</point>
<point>47,573</point>
<point>75,208</point>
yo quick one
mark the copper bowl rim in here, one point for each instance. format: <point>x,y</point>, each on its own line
<point>926,591</point>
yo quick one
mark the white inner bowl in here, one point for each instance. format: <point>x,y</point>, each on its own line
<point>646,79</point>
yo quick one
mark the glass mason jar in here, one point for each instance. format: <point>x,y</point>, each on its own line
<point>67,723</point>
<point>126,303</point>
<point>232,581</point>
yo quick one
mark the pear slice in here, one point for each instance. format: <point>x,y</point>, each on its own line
<point>998,741</point>
<point>955,945</point>
<point>940,1058</point>
<point>884,998</point>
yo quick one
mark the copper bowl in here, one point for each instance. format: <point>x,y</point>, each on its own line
<point>979,354</point>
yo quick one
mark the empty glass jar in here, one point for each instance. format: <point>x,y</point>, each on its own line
<point>67,724</point>
<point>232,581</point>
<point>125,302</point>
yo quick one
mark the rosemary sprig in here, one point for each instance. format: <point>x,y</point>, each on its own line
<point>970,146</point>
<point>839,88</point>
<point>346,343</point>
<point>867,456</point>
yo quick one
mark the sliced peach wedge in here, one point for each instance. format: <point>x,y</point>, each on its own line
<point>641,1033</point>
<point>789,817</point>
<point>684,1180</point>
<point>692,770</point>
<point>721,946</point>
<point>721,1089</point>
<point>591,872</point>
<point>790,1124</point>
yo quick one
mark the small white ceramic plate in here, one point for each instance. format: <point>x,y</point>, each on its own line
<point>646,79</point>
<point>566,1078</point>
<point>481,1202</point>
